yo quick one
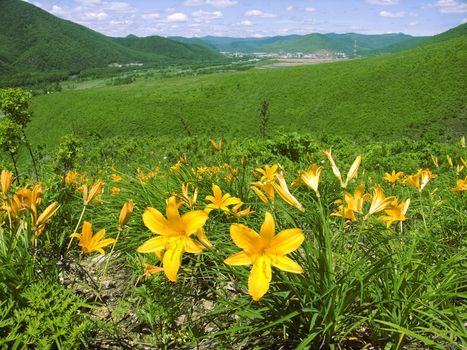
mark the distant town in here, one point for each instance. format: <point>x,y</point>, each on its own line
<point>319,54</point>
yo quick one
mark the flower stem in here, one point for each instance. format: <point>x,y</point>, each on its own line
<point>77,226</point>
<point>104,273</point>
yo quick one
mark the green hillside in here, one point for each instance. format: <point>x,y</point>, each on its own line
<point>171,49</point>
<point>33,40</point>
<point>229,44</point>
<point>341,43</point>
<point>389,96</point>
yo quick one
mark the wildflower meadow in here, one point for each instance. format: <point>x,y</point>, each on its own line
<point>271,243</point>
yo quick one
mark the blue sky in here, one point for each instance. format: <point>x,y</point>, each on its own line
<point>257,18</point>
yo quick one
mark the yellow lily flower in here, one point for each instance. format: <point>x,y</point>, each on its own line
<point>219,201</point>
<point>268,173</point>
<point>187,199</point>
<point>116,178</point>
<point>174,235</point>
<point>30,199</point>
<point>150,270</point>
<point>92,243</point>
<point>461,185</point>
<point>217,146</point>
<point>464,163</point>
<point>420,179</point>
<point>264,188</point>
<point>393,177</point>
<point>45,217</point>
<point>241,213</point>
<point>283,191</point>
<point>311,177</point>
<point>12,206</point>
<point>379,202</point>
<point>6,179</point>
<point>353,171</point>
<point>462,141</point>
<point>263,251</point>
<point>71,178</point>
<point>435,160</point>
<point>353,203</point>
<point>93,194</point>
<point>125,213</point>
<point>396,212</point>
<point>448,157</point>
<point>114,190</point>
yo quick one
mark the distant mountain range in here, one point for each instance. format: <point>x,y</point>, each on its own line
<point>365,45</point>
<point>35,43</point>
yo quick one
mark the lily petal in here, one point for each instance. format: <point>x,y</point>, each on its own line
<point>244,237</point>
<point>260,277</point>
<point>286,241</point>
<point>194,220</point>
<point>155,221</point>
<point>268,227</point>
<point>172,259</point>
<point>285,263</point>
<point>241,258</point>
<point>153,245</point>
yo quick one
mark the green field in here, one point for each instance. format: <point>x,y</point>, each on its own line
<point>418,91</point>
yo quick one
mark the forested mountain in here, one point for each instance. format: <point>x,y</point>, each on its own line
<point>33,40</point>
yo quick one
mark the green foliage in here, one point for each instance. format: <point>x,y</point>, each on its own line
<point>52,318</point>
<point>10,136</point>
<point>263,118</point>
<point>15,104</point>
<point>68,151</point>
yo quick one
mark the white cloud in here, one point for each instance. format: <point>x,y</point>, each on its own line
<point>118,7</point>
<point>310,9</point>
<point>246,23</point>
<point>290,8</point>
<point>464,20</point>
<point>58,11</point>
<point>89,2</point>
<point>413,24</point>
<point>206,15</point>
<point>193,2</point>
<point>221,3</point>
<point>149,16</point>
<point>95,16</point>
<point>259,13</point>
<point>451,6</point>
<point>383,2</point>
<point>215,3</point>
<point>177,17</point>
<point>392,14</point>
